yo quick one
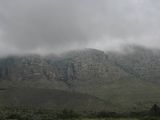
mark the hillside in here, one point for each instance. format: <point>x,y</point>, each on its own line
<point>125,81</point>
<point>49,99</point>
<point>143,63</point>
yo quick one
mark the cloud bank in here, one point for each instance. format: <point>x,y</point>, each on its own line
<point>55,26</point>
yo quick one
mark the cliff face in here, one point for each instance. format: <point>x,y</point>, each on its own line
<point>81,67</point>
<point>71,69</point>
<point>121,80</point>
<point>25,68</point>
<point>143,63</point>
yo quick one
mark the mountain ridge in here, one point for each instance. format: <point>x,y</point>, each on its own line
<point>122,80</point>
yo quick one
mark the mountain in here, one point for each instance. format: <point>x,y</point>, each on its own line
<point>141,62</point>
<point>127,81</point>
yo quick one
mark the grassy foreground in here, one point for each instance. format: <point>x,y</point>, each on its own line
<point>40,114</point>
<point>153,118</point>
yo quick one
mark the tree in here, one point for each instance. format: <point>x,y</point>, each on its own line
<point>155,110</point>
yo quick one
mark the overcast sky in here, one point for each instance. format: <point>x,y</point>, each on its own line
<point>46,26</point>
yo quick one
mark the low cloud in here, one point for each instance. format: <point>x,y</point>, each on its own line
<point>55,26</point>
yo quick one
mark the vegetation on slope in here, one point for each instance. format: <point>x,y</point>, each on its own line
<point>125,82</point>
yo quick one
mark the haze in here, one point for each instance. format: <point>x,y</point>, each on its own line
<point>55,26</point>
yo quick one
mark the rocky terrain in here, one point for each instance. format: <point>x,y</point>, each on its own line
<point>125,81</point>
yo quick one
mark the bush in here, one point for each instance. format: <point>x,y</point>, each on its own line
<point>68,114</point>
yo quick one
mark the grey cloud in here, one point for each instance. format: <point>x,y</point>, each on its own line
<point>46,26</point>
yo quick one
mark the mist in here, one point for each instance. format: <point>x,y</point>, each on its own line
<point>56,26</point>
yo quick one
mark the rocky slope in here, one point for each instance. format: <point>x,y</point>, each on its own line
<point>122,80</point>
<point>143,63</point>
<point>71,70</point>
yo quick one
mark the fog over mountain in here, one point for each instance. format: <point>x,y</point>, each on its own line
<point>90,78</point>
<point>55,26</point>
